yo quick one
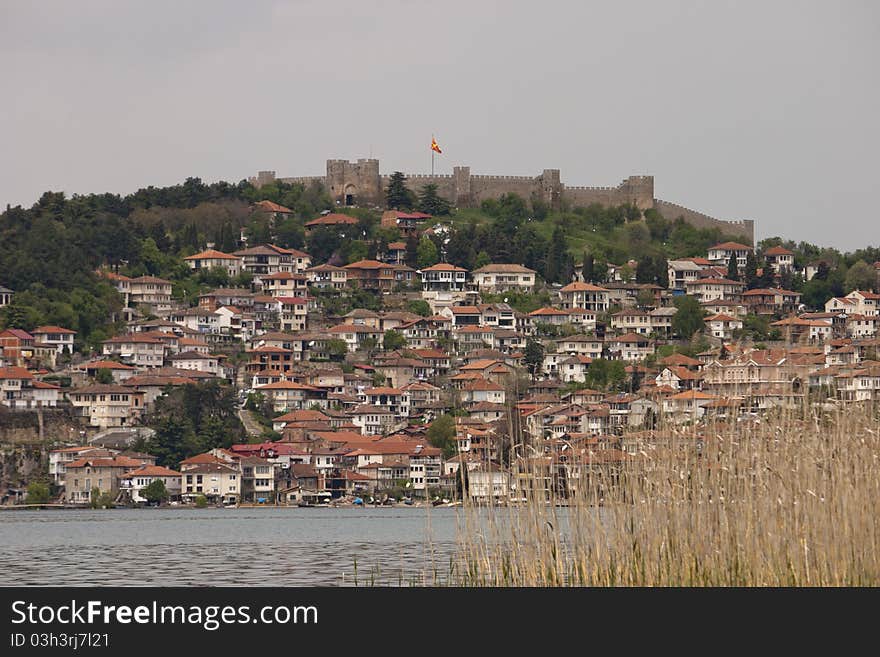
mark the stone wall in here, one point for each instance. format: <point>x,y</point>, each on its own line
<point>744,229</point>
<point>361,183</point>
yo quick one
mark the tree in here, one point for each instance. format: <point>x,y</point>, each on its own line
<point>751,271</point>
<point>689,317</point>
<point>534,355</point>
<point>427,253</point>
<point>104,376</point>
<point>419,307</point>
<point>587,267</point>
<point>861,276</point>
<point>155,492</point>
<point>412,251</point>
<point>482,260</point>
<point>393,340</point>
<point>337,348</point>
<point>732,268</point>
<point>397,195</point>
<point>37,493</point>
<point>432,203</point>
<point>558,265</point>
<point>441,434</point>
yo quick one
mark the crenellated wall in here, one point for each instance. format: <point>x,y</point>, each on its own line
<point>361,183</point>
<point>744,228</point>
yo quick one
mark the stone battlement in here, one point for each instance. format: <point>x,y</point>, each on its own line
<point>360,183</point>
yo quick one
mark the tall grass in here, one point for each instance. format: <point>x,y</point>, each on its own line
<point>791,501</point>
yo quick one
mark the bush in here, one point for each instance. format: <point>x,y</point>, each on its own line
<point>201,502</point>
<point>37,493</point>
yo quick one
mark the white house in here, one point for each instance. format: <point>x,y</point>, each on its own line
<point>500,277</point>
<point>134,481</point>
<point>211,259</point>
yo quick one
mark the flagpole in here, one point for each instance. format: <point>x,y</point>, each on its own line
<point>432,156</point>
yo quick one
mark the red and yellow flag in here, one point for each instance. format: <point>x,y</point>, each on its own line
<point>434,146</point>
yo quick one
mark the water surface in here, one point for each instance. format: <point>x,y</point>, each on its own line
<point>289,546</point>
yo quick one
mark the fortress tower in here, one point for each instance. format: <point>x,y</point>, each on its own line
<point>360,183</point>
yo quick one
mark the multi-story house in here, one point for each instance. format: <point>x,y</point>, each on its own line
<point>136,349</point>
<point>257,479</point>
<point>371,275</point>
<point>196,360</point>
<point>584,295</point>
<point>290,396</point>
<point>133,482</point>
<point>631,320</point>
<point>285,284</point>
<point>681,272</point>
<point>150,291</point>
<point>107,406</point>
<point>857,302</point>
<point>424,469</point>
<point>720,254</point>
<point>218,482</point>
<point>708,289</point>
<point>19,390</point>
<point>212,259</point>
<point>101,473</point>
<point>59,458</point>
<point>722,326</point>
<point>502,277</point>
<point>771,301</point>
<point>392,399</point>
<point>55,336</point>
<point>630,347</point>
<point>293,314</point>
<point>779,259</point>
<point>327,276</point>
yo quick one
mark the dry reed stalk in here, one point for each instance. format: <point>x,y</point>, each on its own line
<point>790,501</point>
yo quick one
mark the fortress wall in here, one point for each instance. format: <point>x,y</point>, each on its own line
<point>362,179</point>
<point>416,182</point>
<point>486,187</point>
<point>584,196</point>
<point>304,180</point>
<point>744,229</point>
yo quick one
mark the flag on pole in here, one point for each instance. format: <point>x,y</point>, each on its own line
<point>434,146</point>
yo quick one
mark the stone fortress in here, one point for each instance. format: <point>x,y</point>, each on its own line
<point>360,183</point>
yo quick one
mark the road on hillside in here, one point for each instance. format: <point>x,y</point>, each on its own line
<point>252,427</point>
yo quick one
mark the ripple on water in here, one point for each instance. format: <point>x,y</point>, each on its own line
<point>241,547</point>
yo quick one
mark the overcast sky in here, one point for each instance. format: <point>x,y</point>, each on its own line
<point>761,110</point>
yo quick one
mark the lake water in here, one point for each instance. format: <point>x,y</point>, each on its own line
<point>227,547</point>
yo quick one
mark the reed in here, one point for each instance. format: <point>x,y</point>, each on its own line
<point>790,500</point>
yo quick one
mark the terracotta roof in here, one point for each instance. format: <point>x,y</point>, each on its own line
<point>211,254</point>
<point>443,266</point>
<point>273,207</point>
<point>150,471</point>
<point>15,373</point>
<point>730,246</point>
<point>777,250</point>
<point>52,329</point>
<point>582,287</point>
<point>333,219</point>
<point>504,268</point>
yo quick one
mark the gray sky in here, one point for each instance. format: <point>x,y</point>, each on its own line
<point>762,110</point>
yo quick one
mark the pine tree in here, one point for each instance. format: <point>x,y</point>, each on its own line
<point>587,267</point>
<point>732,268</point>
<point>432,203</point>
<point>556,264</point>
<point>397,195</point>
<point>412,251</point>
<point>751,271</point>
<point>534,355</point>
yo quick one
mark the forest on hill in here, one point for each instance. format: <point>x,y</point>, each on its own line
<point>50,252</point>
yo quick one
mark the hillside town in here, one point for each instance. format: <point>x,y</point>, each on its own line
<point>452,388</point>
